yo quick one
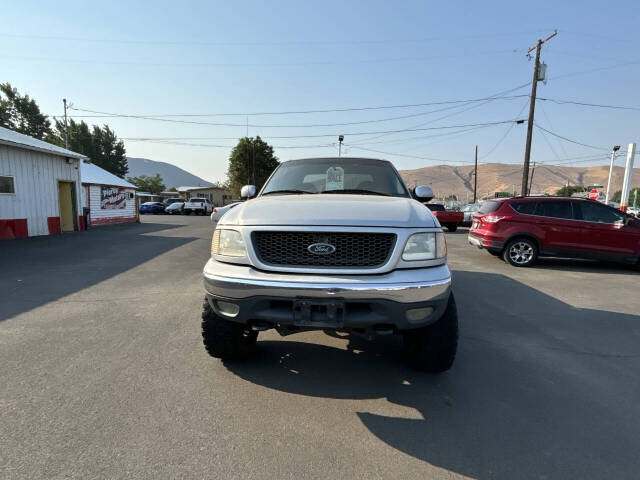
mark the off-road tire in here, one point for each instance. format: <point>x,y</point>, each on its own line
<point>433,348</point>
<point>528,252</point>
<point>452,227</point>
<point>225,339</point>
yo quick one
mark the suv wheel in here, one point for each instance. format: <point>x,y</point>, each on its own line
<point>225,339</point>
<point>521,252</point>
<point>433,348</point>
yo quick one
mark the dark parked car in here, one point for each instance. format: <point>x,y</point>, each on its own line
<point>523,228</point>
<point>176,208</point>
<point>152,207</point>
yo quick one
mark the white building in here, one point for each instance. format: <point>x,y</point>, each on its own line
<point>39,187</point>
<point>109,198</point>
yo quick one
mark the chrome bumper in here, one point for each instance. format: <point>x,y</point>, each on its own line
<point>403,286</point>
<point>474,241</point>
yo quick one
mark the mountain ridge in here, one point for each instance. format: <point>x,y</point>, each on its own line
<point>172,176</point>
<point>505,177</point>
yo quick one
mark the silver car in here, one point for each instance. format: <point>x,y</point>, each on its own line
<point>338,244</point>
<point>219,211</point>
<point>468,211</point>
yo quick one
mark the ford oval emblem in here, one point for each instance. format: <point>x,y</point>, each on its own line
<point>321,248</point>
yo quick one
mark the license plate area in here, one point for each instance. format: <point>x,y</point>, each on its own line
<point>318,313</point>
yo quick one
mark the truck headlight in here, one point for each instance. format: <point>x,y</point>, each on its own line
<point>228,243</point>
<point>425,246</point>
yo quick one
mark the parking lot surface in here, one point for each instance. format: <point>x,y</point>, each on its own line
<point>104,374</point>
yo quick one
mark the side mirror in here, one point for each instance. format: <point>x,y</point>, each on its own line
<point>248,191</point>
<point>423,193</point>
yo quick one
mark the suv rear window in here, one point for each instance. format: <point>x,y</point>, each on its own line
<point>488,207</point>
<point>555,209</point>
<point>526,208</point>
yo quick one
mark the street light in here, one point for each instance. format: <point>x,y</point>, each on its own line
<point>613,155</point>
<point>340,140</point>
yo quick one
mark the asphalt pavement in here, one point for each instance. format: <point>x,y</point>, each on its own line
<point>103,373</point>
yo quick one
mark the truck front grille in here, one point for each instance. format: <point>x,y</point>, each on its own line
<point>352,249</point>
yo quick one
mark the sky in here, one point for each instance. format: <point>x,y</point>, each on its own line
<point>248,58</point>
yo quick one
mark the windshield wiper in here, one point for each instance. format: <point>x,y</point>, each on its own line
<point>358,191</point>
<point>285,191</point>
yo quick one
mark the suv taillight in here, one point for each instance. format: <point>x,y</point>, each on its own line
<point>494,218</point>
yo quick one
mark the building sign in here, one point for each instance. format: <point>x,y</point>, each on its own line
<point>112,198</point>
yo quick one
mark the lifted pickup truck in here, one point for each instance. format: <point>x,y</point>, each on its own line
<point>201,206</point>
<point>447,218</point>
<point>333,244</point>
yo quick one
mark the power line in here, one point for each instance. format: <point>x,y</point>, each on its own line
<point>488,99</point>
<point>276,43</point>
<point>585,104</point>
<point>499,142</point>
<point>569,140</point>
<point>406,155</point>
<point>247,125</point>
<point>251,64</point>
<point>209,145</point>
<point>553,150</point>
<point>294,112</point>
<point>597,69</point>
<point>579,158</point>
<point>544,112</point>
<point>444,127</point>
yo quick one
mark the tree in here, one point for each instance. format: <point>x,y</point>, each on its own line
<point>618,195</point>
<point>147,183</point>
<point>172,189</point>
<point>21,113</point>
<point>101,145</point>
<point>247,154</point>
<point>110,152</point>
<point>569,190</point>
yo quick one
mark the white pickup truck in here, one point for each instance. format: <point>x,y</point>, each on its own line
<point>201,206</point>
<point>337,244</point>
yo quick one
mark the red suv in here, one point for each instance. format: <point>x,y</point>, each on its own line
<point>523,228</point>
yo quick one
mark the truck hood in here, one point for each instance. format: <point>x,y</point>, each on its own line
<point>331,209</point>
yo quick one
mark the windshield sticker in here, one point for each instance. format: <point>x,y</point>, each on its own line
<point>335,179</point>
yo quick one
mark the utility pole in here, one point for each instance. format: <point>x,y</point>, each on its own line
<point>253,160</point>
<point>340,140</point>
<point>475,178</point>
<point>613,155</point>
<point>532,108</point>
<point>533,170</point>
<point>66,128</point>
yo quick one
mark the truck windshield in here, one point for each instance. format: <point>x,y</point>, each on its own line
<point>349,176</point>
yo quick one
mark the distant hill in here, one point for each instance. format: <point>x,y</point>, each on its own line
<point>171,175</point>
<point>504,177</point>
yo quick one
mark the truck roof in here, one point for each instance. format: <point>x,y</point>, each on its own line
<point>371,161</point>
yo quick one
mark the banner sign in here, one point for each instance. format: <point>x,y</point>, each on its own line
<point>112,198</point>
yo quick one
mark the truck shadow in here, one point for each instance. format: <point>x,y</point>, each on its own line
<point>539,389</point>
<point>38,270</point>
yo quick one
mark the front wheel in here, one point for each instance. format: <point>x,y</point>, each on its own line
<point>225,339</point>
<point>521,252</point>
<point>433,348</point>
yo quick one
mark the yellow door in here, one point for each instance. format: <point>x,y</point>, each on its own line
<point>66,206</point>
